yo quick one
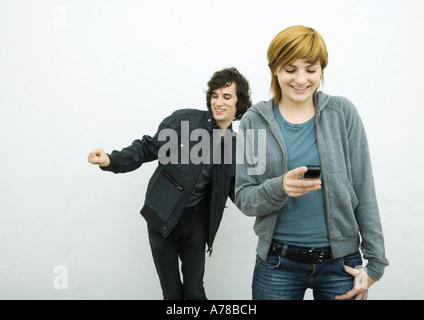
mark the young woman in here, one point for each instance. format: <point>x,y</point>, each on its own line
<point>310,230</point>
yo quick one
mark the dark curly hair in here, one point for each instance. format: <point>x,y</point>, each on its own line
<point>225,78</point>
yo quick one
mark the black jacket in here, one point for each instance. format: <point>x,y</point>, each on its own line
<point>172,184</point>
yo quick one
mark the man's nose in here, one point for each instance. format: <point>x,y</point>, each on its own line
<point>219,101</point>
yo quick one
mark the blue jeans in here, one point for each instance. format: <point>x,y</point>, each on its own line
<point>281,278</point>
<point>186,242</point>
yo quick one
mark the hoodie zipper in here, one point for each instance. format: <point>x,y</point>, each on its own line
<point>323,185</point>
<point>283,153</point>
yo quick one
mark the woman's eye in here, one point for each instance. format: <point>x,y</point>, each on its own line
<point>311,71</point>
<point>290,71</point>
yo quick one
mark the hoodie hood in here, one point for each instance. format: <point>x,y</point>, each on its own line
<point>264,108</point>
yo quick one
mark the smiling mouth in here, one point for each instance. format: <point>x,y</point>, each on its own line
<point>300,89</point>
<point>220,110</point>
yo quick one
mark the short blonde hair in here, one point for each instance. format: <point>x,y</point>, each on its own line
<point>296,42</point>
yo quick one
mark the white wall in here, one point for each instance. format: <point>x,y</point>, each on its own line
<point>79,74</point>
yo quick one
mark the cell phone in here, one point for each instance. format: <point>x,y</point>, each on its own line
<point>313,172</point>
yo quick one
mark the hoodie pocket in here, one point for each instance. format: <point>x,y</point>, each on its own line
<point>342,202</point>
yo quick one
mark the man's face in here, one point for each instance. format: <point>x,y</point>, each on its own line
<point>223,105</point>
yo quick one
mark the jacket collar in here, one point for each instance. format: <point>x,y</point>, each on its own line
<point>211,123</point>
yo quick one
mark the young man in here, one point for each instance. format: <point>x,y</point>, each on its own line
<point>187,193</point>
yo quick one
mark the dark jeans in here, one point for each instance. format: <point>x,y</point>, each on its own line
<point>281,278</point>
<point>186,241</point>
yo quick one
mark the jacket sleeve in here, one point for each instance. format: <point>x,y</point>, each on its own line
<point>367,212</point>
<point>141,150</point>
<point>256,195</point>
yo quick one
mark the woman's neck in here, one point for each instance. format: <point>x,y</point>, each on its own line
<point>296,113</point>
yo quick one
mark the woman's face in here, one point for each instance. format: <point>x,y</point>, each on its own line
<point>299,80</point>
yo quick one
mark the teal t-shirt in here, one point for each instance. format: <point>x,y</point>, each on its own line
<point>302,220</point>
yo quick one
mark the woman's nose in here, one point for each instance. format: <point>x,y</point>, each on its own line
<point>300,78</point>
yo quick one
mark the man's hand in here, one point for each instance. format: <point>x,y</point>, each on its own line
<point>295,187</point>
<point>98,156</point>
<point>362,283</point>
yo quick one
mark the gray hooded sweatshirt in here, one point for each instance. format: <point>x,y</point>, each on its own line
<point>351,208</point>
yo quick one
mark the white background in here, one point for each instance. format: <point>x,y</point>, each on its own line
<point>75,75</point>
